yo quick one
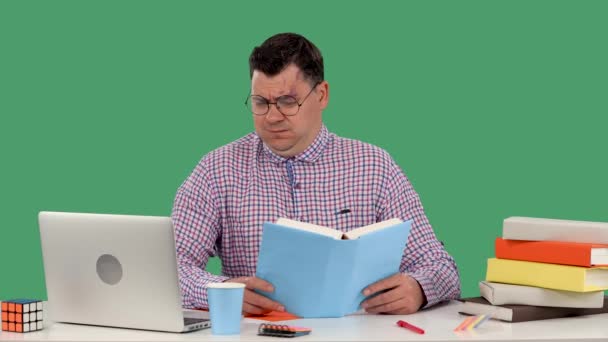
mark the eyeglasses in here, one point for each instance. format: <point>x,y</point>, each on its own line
<point>286,104</point>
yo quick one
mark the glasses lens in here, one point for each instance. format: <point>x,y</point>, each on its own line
<point>288,105</point>
<point>257,105</point>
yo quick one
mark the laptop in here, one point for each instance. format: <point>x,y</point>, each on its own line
<point>113,270</point>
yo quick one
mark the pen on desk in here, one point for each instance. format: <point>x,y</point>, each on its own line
<point>411,327</point>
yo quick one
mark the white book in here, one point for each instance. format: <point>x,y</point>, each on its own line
<point>501,294</point>
<point>336,234</point>
<point>540,229</point>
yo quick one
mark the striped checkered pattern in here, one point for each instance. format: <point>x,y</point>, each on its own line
<point>220,208</point>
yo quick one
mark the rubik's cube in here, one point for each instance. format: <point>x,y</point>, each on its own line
<point>21,315</point>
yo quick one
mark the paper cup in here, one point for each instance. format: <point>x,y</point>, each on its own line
<point>225,307</point>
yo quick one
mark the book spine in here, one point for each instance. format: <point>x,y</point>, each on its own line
<point>338,278</point>
<point>502,294</point>
<point>557,277</point>
<point>534,229</point>
<point>574,254</point>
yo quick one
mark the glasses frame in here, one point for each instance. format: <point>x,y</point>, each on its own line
<point>268,103</point>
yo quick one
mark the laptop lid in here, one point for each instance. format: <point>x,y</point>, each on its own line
<point>111,270</point>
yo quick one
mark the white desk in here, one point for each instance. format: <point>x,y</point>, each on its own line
<point>438,322</point>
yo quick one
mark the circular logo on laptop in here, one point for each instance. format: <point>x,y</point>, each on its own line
<point>109,269</point>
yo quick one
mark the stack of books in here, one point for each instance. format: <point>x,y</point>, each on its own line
<point>545,268</point>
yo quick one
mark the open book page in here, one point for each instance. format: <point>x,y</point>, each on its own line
<point>356,233</point>
<point>309,227</point>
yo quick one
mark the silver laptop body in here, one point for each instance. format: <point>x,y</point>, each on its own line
<point>113,270</point>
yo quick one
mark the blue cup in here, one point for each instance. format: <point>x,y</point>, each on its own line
<point>225,307</point>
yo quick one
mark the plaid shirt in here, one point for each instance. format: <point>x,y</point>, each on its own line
<point>220,208</point>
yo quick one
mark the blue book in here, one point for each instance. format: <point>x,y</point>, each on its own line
<point>321,272</point>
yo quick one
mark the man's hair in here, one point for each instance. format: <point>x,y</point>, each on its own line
<point>283,49</point>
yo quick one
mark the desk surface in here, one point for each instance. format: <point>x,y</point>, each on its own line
<point>438,322</point>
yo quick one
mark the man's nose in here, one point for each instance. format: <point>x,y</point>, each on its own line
<point>274,114</point>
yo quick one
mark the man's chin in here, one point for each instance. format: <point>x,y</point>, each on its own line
<point>280,149</point>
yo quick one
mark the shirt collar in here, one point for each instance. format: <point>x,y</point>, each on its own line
<point>311,154</point>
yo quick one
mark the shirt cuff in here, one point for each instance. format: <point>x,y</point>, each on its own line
<point>428,289</point>
<point>200,294</point>
<point>216,279</point>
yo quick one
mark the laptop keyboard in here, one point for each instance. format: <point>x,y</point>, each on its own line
<point>189,320</point>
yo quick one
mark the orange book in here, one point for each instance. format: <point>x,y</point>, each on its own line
<point>553,252</point>
<point>272,316</point>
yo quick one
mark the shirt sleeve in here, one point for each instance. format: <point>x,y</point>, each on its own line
<point>424,258</point>
<point>197,228</point>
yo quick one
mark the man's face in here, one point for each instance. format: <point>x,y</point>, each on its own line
<point>288,136</point>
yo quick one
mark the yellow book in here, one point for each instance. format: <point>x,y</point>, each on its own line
<point>549,276</point>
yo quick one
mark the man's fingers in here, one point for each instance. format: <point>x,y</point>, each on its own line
<point>383,298</point>
<point>402,311</point>
<point>397,303</point>
<point>253,310</point>
<point>387,307</point>
<point>258,284</point>
<point>398,294</point>
<point>253,302</point>
<point>407,307</point>
<point>253,283</point>
<point>386,283</point>
<point>262,302</point>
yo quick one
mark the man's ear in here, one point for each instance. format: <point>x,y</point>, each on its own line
<point>323,96</point>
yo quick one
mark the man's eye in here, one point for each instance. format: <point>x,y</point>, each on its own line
<point>287,101</point>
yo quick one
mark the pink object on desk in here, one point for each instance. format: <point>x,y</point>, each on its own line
<point>411,327</point>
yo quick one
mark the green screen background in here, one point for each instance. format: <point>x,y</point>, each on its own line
<point>493,109</point>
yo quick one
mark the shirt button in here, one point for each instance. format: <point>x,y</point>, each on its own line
<point>297,186</point>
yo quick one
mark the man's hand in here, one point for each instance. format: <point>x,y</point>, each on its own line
<point>403,295</point>
<point>254,303</point>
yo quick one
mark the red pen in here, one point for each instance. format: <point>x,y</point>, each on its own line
<point>411,327</point>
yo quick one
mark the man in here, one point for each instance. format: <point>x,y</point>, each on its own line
<point>293,167</point>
